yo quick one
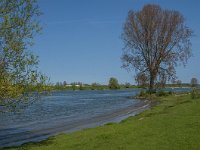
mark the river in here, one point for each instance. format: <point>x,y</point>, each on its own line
<point>67,111</point>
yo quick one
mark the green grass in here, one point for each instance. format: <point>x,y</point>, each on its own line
<point>173,124</point>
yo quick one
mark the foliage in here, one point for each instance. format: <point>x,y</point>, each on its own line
<point>143,94</point>
<point>149,95</point>
<point>81,87</point>
<point>94,86</point>
<point>195,94</point>
<point>74,86</point>
<point>113,83</point>
<point>155,40</point>
<point>127,85</point>
<point>163,93</point>
<point>64,83</point>
<point>18,66</point>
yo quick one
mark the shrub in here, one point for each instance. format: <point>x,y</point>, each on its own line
<point>162,93</point>
<point>81,87</point>
<point>113,83</point>
<point>142,94</point>
<point>170,92</point>
<point>195,94</point>
<point>127,85</point>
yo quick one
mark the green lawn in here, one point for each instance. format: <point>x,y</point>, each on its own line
<point>174,124</point>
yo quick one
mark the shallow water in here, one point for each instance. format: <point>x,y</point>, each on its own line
<point>67,111</point>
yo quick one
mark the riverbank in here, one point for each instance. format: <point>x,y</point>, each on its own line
<point>173,124</point>
<point>66,112</point>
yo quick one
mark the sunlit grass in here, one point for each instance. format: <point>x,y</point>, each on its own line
<point>171,125</point>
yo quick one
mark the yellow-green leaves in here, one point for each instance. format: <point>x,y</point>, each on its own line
<point>18,66</point>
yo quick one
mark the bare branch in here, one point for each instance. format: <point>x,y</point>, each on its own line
<point>155,41</point>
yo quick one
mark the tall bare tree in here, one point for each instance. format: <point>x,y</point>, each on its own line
<point>156,40</point>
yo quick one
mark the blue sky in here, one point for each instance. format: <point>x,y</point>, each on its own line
<point>81,38</point>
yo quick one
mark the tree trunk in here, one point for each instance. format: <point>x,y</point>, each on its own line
<point>151,84</point>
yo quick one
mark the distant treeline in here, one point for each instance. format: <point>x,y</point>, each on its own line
<point>96,86</point>
<point>113,84</point>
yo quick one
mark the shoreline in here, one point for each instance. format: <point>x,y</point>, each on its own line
<point>112,117</point>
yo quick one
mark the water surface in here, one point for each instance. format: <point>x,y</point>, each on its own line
<point>68,111</point>
<point>63,111</point>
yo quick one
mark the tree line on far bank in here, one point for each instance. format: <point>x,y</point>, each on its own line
<point>113,84</point>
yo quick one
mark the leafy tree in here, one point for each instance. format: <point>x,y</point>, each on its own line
<point>18,66</point>
<point>81,86</point>
<point>65,83</point>
<point>113,83</point>
<point>155,40</point>
<point>127,85</point>
<point>57,84</point>
<point>73,86</point>
<point>61,84</point>
<point>179,83</point>
<point>94,86</point>
<point>194,82</point>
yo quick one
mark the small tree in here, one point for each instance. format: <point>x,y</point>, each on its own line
<point>179,83</point>
<point>64,83</point>
<point>81,86</point>
<point>194,82</point>
<point>57,84</point>
<point>73,86</point>
<point>113,83</point>
<point>155,40</point>
<point>94,86</point>
<point>127,85</point>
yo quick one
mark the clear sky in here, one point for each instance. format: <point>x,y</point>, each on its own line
<point>81,38</point>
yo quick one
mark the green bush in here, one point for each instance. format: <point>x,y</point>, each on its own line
<point>127,85</point>
<point>81,87</point>
<point>170,92</point>
<point>159,93</point>
<point>113,83</point>
<point>195,94</point>
<point>142,94</point>
<point>162,93</point>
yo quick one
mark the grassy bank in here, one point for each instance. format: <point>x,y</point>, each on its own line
<point>173,124</point>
